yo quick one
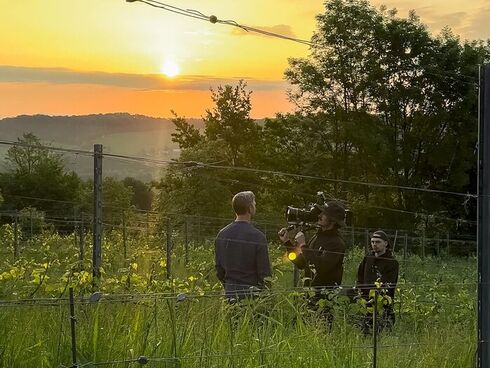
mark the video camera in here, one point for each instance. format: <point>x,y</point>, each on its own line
<point>307,217</point>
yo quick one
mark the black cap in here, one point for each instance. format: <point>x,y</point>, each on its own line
<point>335,211</point>
<point>380,234</point>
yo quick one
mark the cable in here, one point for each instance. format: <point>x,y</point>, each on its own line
<point>254,354</point>
<point>43,199</point>
<point>300,176</point>
<point>56,149</point>
<point>308,251</point>
<point>248,169</point>
<point>456,77</point>
<point>183,296</point>
<point>213,19</point>
<point>340,200</point>
<point>347,231</point>
<point>427,215</point>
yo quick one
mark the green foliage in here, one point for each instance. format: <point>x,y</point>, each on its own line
<point>117,197</point>
<point>434,305</point>
<point>229,121</point>
<point>186,135</point>
<point>230,138</point>
<point>393,104</point>
<point>142,194</point>
<point>379,100</point>
<point>31,221</point>
<point>36,174</point>
<point>29,157</point>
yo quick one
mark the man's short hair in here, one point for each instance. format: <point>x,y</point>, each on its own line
<point>242,202</point>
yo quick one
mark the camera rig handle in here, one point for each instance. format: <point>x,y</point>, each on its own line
<point>302,227</point>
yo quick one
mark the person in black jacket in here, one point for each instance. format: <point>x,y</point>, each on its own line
<point>322,258</point>
<point>379,266</point>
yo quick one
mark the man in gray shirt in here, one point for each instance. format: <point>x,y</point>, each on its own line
<point>241,253</point>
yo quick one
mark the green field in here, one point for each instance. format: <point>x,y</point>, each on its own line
<point>142,314</point>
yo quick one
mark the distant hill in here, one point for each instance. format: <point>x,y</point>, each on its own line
<point>123,133</point>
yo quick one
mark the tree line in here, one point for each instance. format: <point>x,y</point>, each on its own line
<point>37,185</point>
<point>379,99</point>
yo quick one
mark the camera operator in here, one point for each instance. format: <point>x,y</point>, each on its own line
<point>241,253</point>
<point>323,256</point>
<point>380,265</point>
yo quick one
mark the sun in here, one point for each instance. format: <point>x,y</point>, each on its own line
<point>170,68</point>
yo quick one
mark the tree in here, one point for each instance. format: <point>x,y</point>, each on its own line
<point>36,177</point>
<point>29,156</point>
<point>117,198</point>
<point>229,121</point>
<point>142,195</point>
<point>379,100</point>
<point>230,137</point>
<point>186,135</point>
<point>375,80</point>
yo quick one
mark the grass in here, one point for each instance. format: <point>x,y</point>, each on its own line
<point>435,306</point>
<point>276,331</point>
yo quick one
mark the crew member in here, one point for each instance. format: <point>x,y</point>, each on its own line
<point>382,267</point>
<point>322,258</point>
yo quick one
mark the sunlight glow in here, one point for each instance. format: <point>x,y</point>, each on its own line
<point>170,68</point>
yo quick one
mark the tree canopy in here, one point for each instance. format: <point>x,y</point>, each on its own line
<point>36,177</point>
<point>379,99</point>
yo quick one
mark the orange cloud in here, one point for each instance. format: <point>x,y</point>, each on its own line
<point>16,74</point>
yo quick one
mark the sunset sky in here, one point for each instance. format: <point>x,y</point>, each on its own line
<point>70,57</point>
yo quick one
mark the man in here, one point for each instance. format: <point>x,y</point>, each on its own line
<point>381,266</point>
<point>241,253</point>
<point>322,259</point>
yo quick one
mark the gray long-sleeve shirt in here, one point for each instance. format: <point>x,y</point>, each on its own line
<point>241,256</point>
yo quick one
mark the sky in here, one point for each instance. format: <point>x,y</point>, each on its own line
<point>76,57</point>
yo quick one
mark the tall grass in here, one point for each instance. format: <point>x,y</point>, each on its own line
<point>274,331</point>
<point>435,310</point>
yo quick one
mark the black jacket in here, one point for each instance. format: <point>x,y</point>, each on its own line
<point>372,268</point>
<point>323,258</point>
<point>241,256</point>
